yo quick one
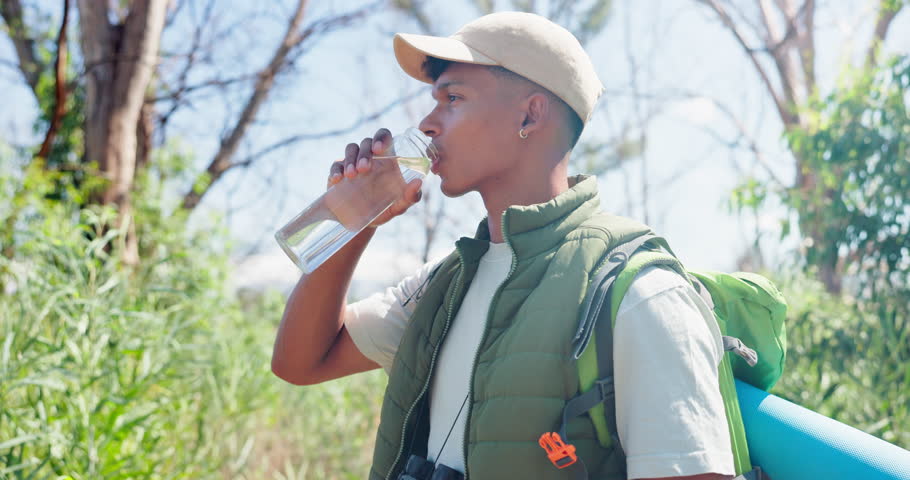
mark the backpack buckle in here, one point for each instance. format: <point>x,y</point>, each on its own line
<point>735,345</point>
<point>605,385</point>
<point>561,455</point>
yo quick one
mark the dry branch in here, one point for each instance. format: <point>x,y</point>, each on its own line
<point>59,85</point>
<point>291,46</point>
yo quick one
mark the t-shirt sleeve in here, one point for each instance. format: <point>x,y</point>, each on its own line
<point>377,323</point>
<point>669,411</point>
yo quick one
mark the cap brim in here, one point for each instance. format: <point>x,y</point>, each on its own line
<point>412,50</point>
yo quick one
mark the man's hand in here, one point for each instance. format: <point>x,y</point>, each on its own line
<point>358,160</point>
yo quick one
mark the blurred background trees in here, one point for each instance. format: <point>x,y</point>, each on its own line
<point>779,40</point>
<point>120,98</point>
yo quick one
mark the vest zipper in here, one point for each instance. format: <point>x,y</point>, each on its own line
<point>426,385</point>
<point>483,337</point>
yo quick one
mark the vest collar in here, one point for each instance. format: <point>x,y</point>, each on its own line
<point>532,229</point>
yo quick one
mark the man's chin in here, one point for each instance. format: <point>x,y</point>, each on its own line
<point>452,191</point>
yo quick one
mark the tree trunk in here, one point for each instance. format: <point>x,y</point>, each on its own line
<point>144,131</point>
<point>119,62</point>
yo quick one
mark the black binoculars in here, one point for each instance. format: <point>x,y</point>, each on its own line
<point>419,468</point>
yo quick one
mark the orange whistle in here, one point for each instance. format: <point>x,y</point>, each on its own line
<point>559,453</point>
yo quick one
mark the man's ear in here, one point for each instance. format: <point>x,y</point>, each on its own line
<point>537,110</point>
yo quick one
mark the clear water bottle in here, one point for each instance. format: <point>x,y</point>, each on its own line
<point>349,206</point>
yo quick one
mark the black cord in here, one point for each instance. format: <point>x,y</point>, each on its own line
<point>417,424</point>
<point>465,402</point>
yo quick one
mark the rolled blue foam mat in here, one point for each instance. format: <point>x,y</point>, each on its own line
<point>790,442</point>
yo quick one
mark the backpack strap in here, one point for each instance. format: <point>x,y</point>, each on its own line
<point>609,285</point>
<point>741,460</point>
<point>600,284</point>
<point>601,394</point>
<point>595,326</point>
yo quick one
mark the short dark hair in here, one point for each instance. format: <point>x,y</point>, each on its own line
<point>434,68</point>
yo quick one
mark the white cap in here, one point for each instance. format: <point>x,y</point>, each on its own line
<point>527,44</point>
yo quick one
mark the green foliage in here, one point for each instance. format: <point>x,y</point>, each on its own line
<point>845,362</point>
<point>66,155</point>
<point>153,372</point>
<point>858,151</point>
<point>69,142</point>
<point>749,195</point>
<point>849,357</point>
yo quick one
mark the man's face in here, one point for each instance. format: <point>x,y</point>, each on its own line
<point>474,125</point>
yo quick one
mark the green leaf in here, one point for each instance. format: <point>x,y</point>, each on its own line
<point>18,441</point>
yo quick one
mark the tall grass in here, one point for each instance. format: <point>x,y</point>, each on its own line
<point>846,361</point>
<point>157,372</point>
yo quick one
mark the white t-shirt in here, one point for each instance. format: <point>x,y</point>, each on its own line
<point>669,412</point>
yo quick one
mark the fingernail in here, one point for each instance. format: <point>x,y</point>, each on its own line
<point>419,195</point>
<point>377,146</point>
<point>362,163</point>
<point>349,168</point>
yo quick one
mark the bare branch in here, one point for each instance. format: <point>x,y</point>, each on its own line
<point>886,14</point>
<point>295,139</point>
<point>431,222</point>
<point>286,53</point>
<point>414,8</point>
<point>754,22</point>
<point>266,79</point>
<point>787,116</point>
<point>773,36</point>
<point>9,64</point>
<point>779,46</point>
<point>786,7</point>
<point>176,8</point>
<point>145,127</point>
<point>182,88</point>
<point>743,138</point>
<point>29,64</point>
<point>799,37</point>
<point>182,92</point>
<point>806,44</point>
<point>59,87</point>
<point>751,143</point>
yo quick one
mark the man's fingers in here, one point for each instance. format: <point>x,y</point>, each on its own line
<point>350,159</point>
<point>363,161</point>
<point>412,192</point>
<point>381,141</point>
<point>410,196</point>
<point>336,172</point>
<point>358,158</point>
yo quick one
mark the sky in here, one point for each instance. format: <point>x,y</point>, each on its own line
<point>661,50</point>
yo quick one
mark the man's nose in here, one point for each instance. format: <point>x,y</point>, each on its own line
<point>429,126</point>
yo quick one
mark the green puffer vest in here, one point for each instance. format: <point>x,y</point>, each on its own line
<point>523,373</point>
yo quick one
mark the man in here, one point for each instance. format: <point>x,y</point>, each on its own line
<point>477,346</point>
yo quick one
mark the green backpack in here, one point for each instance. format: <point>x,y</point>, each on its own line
<point>749,310</point>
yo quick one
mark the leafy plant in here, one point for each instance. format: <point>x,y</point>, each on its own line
<point>157,371</point>
<point>845,362</point>
<point>858,147</point>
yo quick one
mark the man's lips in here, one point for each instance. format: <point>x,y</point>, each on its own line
<point>434,162</point>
